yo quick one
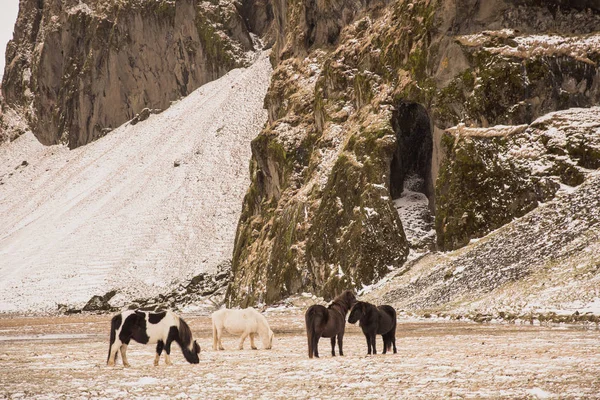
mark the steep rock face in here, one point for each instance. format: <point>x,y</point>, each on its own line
<point>339,143</point>
<point>78,70</point>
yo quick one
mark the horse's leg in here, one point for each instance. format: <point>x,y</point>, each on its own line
<point>373,342</point>
<point>112,355</point>
<point>341,343</point>
<point>333,345</point>
<point>368,343</point>
<point>215,337</point>
<point>124,354</point>
<point>242,340</point>
<point>252,345</point>
<point>159,348</point>
<point>315,340</point>
<point>385,343</point>
<point>219,337</point>
<point>168,353</point>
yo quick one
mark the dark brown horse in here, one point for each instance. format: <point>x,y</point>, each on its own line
<point>375,321</point>
<point>328,322</point>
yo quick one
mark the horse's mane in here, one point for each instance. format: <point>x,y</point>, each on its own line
<point>185,333</point>
<point>340,301</point>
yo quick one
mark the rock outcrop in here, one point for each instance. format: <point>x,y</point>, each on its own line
<point>78,69</point>
<point>362,97</point>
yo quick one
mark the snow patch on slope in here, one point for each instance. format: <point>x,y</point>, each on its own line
<point>139,210</point>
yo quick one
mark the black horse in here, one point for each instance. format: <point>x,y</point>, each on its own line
<point>375,321</point>
<point>328,322</point>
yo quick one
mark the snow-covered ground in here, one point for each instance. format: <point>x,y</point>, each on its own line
<point>435,360</point>
<point>138,210</point>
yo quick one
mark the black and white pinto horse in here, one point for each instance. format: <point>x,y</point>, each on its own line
<point>162,328</point>
<point>374,321</point>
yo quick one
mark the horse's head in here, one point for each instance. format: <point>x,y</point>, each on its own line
<point>358,310</point>
<point>268,343</point>
<point>191,355</point>
<point>349,298</point>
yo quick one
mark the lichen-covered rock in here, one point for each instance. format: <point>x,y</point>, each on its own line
<point>492,175</point>
<point>319,214</point>
<point>77,69</point>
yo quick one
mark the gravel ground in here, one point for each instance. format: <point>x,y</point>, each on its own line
<point>64,357</point>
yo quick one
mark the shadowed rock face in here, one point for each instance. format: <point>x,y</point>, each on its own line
<point>79,70</point>
<point>319,214</point>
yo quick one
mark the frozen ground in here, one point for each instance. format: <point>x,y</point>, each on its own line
<point>141,208</point>
<point>434,360</point>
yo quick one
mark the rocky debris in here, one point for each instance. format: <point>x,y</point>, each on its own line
<point>205,291</point>
<point>320,213</point>
<point>12,123</point>
<point>97,304</point>
<point>143,115</point>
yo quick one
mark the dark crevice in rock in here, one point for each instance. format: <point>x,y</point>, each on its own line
<point>257,15</point>
<point>413,153</point>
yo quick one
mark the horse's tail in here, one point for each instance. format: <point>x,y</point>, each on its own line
<point>313,318</point>
<point>115,323</point>
<point>392,332</point>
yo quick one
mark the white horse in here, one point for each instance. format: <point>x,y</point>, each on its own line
<point>246,322</point>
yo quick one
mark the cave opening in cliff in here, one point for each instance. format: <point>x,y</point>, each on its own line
<point>411,184</point>
<point>411,164</point>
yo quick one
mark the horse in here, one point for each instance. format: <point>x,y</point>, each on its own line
<point>162,328</point>
<point>246,322</point>
<point>375,321</point>
<point>328,322</point>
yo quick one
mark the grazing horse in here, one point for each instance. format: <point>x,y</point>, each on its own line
<point>375,321</point>
<point>162,328</point>
<point>328,322</point>
<point>246,322</point>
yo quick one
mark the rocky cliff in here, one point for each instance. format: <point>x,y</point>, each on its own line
<point>371,102</point>
<point>77,70</point>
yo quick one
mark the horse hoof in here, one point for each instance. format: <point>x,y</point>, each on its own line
<point>254,348</point>
<point>126,365</point>
<point>111,364</point>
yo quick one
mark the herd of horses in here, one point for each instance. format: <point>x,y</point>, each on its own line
<point>164,328</point>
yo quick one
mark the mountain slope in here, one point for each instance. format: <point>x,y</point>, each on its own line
<point>139,209</point>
